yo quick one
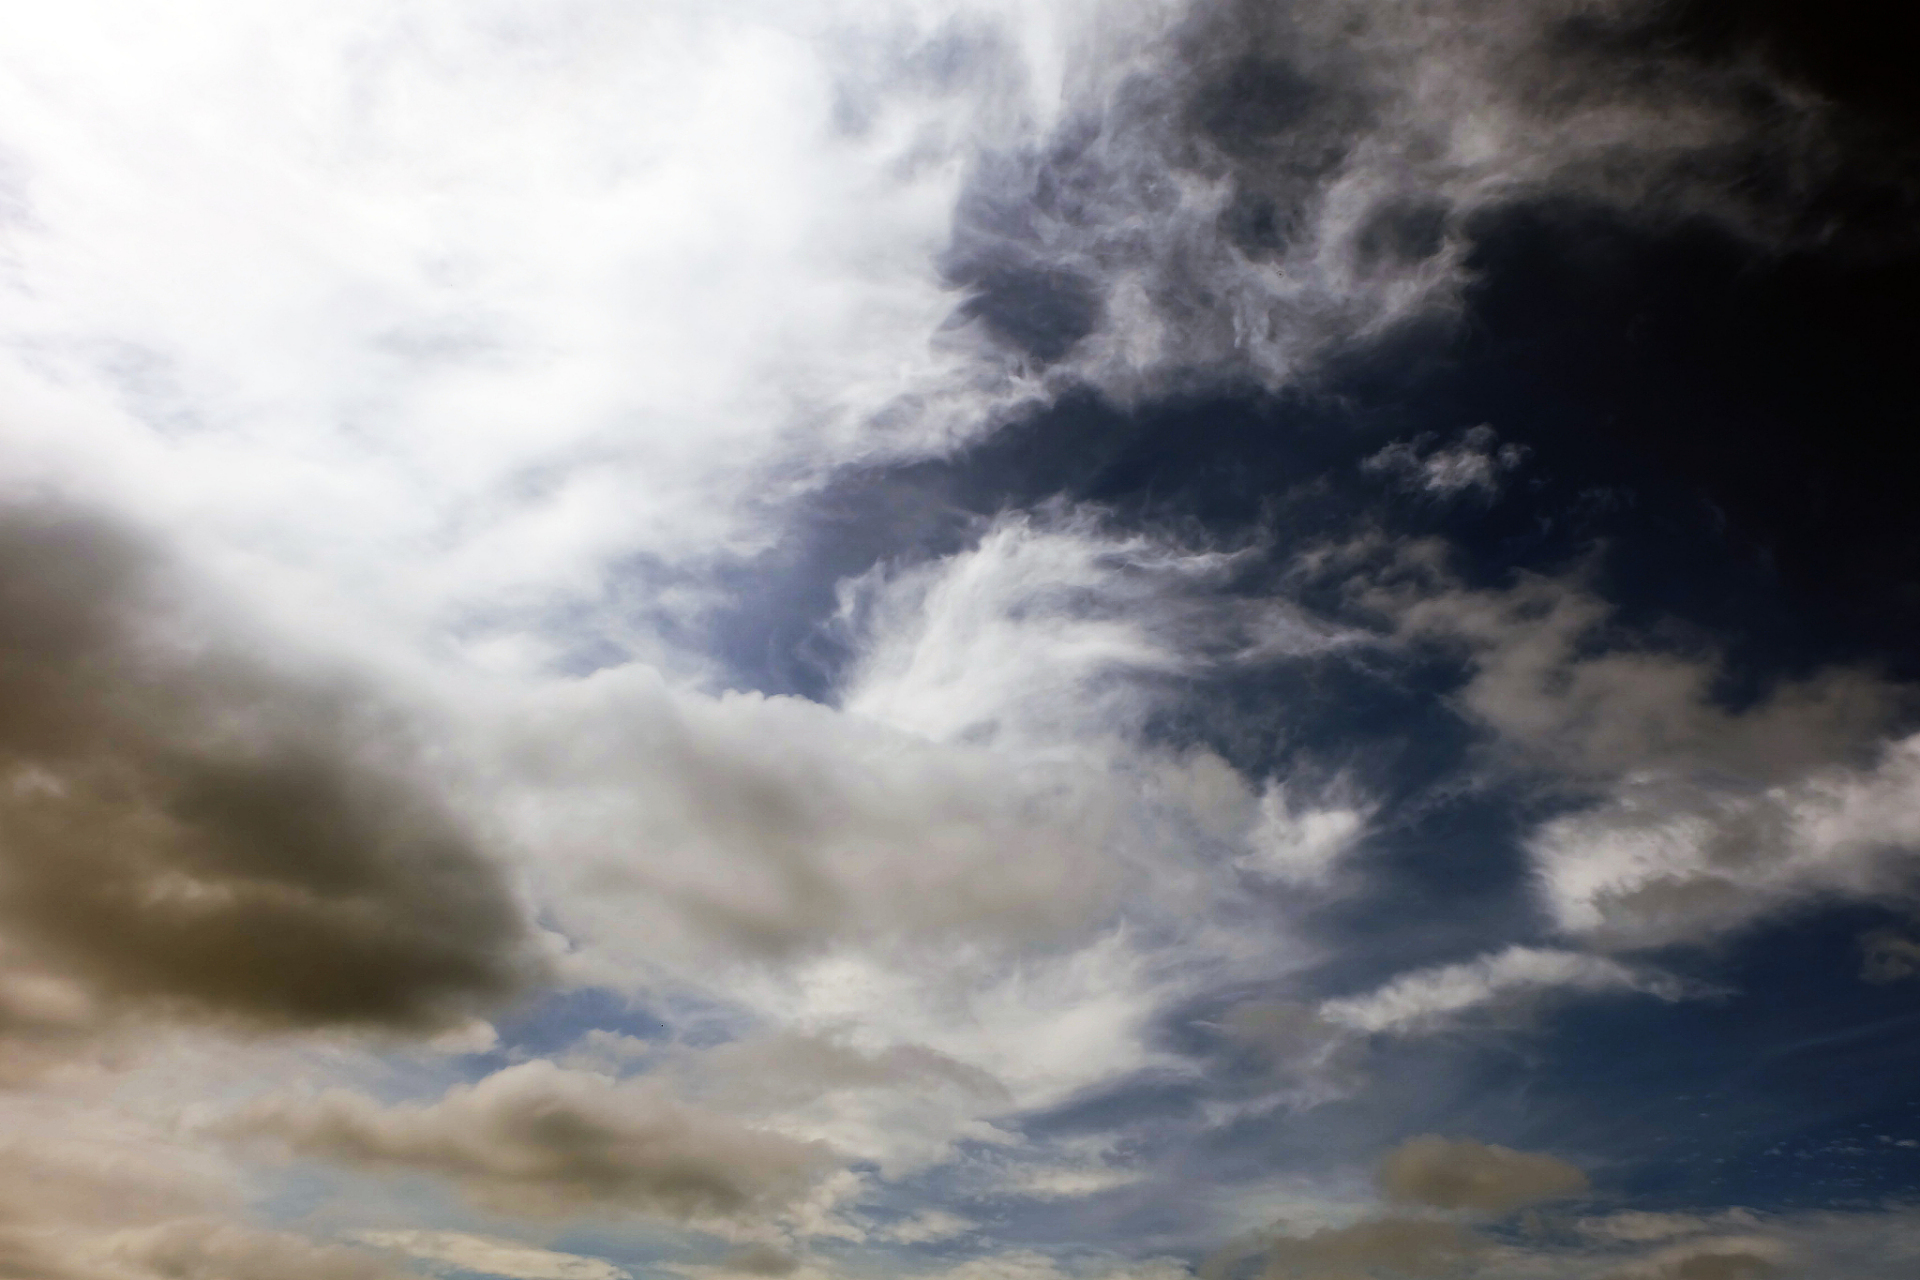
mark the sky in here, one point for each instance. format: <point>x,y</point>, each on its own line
<point>958,640</point>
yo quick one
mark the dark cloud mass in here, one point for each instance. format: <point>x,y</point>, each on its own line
<point>186,826</point>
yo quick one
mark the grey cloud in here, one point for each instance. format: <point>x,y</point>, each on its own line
<point>540,1139</point>
<point>752,829</point>
<point>1699,817</point>
<point>1250,181</point>
<point>792,1066</point>
<point>1288,1031</point>
<point>1040,310</point>
<point>491,1256</point>
<point>1459,1173</point>
<point>189,827</point>
<point>194,1250</point>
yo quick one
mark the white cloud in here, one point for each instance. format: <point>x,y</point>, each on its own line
<point>494,1257</point>
<point>1028,1264</point>
<point>1044,631</point>
<point>1302,841</point>
<point>1427,999</point>
<point>1698,817</point>
<point>481,297</point>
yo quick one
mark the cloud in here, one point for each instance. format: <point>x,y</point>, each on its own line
<point>540,1139</point>
<point>1300,838</point>
<point>1054,627</point>
<point>1662,861</point>
<point>194,1249</point>
<point>928,1226</point>
<point>545,404</point>
<point>1637,1226</point>
<point>900,1106</point>
<point>1720,1244</point>
<point>1427,999</point>
<point>70,1181</point>
<point>1408,1247</point>
<point>1241,186</point>
<point>1887,956</point>
<point>194,828</point>
<point>1698,817</point>
<point>1712,1258</point>
<point>1459,1173</point>
<point>88,1194</point>
<point>494,1257</point>
<point>1554,679</point>
<point>1027,1264</point>
<point>703,832</point>
<point>1470,465</point>
<point>448,335</point>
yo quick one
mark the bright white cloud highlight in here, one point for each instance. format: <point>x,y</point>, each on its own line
<point>494,1257</point>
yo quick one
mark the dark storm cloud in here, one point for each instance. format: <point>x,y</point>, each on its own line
<point>183,825</point>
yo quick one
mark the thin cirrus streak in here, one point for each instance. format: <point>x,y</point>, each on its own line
<point>963,640</point>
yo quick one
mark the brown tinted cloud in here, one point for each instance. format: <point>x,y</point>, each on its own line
<point>185,828</point>
<point>539,1138</point>
<point>1459,1173</point>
